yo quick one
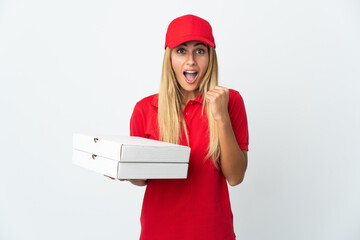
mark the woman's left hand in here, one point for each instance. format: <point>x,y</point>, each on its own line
<point>218,98</point>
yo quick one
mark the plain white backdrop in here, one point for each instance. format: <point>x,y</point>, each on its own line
<point>80,66</point>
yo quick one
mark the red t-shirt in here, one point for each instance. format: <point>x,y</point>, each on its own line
<point>197,207</point>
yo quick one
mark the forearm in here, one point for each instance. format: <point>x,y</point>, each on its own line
<point>233,161</point>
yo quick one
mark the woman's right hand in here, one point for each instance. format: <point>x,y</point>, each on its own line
<point>137,182</point>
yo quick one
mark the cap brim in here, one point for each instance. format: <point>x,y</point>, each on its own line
<point>187,38</point>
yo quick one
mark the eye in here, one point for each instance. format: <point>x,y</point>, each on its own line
<point>180,51</point>
<point>200,51</point>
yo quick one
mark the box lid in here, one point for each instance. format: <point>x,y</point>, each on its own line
<point>131,149</point>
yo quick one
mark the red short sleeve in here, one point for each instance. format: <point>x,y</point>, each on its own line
<point>238,118</point>
<point>137,122</point>
<point>143,121</point>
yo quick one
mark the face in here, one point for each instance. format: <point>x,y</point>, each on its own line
<point>190,61</point>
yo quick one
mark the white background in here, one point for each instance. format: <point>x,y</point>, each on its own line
<point>80,66</point>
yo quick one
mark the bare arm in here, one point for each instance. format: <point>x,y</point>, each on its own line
<point>233,160</point>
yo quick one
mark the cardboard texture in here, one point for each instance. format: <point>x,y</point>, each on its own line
<point>126,157</point>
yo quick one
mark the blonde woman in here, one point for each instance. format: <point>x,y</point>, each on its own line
<point>191,109</point>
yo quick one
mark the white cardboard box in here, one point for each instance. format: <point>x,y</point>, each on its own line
<point>130,157</point>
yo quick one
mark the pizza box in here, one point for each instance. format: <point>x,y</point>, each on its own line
<point>126,157</point>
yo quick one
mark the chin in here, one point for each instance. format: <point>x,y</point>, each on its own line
<point>191,89</point>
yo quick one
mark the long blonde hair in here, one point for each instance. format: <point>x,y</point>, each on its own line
<point>170,118</point>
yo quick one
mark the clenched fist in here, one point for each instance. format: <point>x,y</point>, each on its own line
<point>218,98</point>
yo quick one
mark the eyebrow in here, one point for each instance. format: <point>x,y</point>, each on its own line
<point>197,44</point>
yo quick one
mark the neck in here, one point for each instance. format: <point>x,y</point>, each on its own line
<point>187,96</point>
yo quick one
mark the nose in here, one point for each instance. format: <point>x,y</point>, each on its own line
<point>190,59</point>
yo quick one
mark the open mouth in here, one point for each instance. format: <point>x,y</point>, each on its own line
<point>190,76</point>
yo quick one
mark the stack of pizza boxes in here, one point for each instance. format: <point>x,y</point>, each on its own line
<point>125,157</point>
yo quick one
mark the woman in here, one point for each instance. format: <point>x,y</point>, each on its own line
<point>191,109</point>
